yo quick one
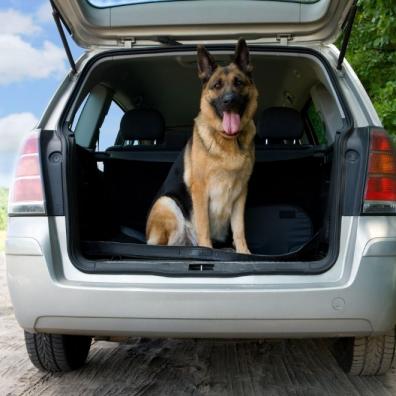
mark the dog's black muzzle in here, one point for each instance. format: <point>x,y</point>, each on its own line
<point>230,102</point>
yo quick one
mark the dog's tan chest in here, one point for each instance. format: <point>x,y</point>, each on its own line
<point>221,173</point>
<point>223,190</point>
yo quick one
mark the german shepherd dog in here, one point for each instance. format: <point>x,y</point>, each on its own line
<point>205,190</point>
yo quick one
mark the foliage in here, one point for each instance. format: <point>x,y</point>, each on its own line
<point>3,208</point>
<point>317,124</point>
<point>372,53</point>
<point>2,240</point>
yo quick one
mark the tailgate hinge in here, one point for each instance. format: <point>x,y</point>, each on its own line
<point>128,43</point>
<point>284,38</point>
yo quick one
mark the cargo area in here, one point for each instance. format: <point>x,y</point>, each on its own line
<point>133,116</point>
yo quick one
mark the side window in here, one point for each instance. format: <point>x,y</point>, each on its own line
<point>316,123</point>
<point>77,115</point>
<point>89,116</point>
<point>110,127</point>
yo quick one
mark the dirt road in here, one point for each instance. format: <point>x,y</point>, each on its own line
<point>183,367</point>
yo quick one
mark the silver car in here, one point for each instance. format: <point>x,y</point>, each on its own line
<point>320,215</point>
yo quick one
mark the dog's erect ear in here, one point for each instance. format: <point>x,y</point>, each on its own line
<point>242,57</point>
<point>206,63</point>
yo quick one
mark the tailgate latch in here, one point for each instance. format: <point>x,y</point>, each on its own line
<point>201,267</point>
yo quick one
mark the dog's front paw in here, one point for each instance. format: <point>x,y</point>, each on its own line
<point>243,250</point>
<point>206,244</point>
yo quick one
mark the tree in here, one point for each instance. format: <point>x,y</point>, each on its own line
<point>372,53</point>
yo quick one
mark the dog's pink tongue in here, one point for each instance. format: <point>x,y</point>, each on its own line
<point>231,123</point>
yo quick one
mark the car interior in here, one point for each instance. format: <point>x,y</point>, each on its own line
<point>133,117</point>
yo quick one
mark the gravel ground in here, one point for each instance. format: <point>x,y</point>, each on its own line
<point>183,367</point>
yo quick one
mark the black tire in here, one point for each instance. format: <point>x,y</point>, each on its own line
<point>56,352</point>
<point>365,356</point>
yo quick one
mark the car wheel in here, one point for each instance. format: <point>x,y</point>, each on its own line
<point>56,352</point>
<point>366,355</point>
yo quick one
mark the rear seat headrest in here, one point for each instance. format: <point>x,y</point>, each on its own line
<point>280,123</point>
<point>142,124</point>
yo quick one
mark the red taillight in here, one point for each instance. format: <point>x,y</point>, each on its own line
<point>380,193</point>
<point>381,189</point>
<point>382,163</point>
<point>26,195</point>
<point>28,165</point>
<point>380,141</point>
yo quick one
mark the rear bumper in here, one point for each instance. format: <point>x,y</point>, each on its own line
<point>356,297</point>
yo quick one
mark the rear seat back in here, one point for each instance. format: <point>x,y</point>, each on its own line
<point>177,137</point>
<point>279,134</point>
<point>141,130</point>
<point>283,163</point>
<point>279,124</point>
<point>134,172</point>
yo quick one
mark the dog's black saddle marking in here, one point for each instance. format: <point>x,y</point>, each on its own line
<point>174,186</point>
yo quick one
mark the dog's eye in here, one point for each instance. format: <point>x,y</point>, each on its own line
<point>238,82</point>
<point>218,85</point>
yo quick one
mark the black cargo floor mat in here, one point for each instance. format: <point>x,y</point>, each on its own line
<point>97,250</point>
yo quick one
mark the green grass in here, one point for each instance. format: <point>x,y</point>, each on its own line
<point>2,240</point>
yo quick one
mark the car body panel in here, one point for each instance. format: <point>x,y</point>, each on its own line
<point>357,296</point>
<point>313,21</point>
